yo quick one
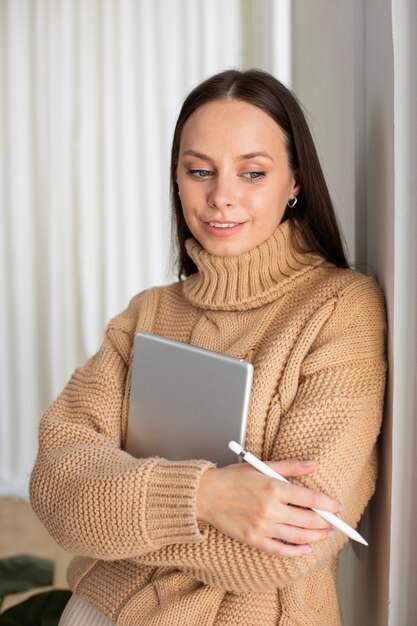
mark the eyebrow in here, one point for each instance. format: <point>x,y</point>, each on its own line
<point>242,157</point>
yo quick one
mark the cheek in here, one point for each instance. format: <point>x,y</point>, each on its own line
<point>188,207</point>
<point>190,193</point>
<point>188,210</point>
<point>265,201</point>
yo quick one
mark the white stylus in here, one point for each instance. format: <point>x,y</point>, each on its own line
<point>265,469</point>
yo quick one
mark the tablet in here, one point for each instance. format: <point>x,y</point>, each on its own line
<point>186,402</point>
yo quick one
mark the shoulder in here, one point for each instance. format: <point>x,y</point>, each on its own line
<point>139,315</point>
<point>142,305</point>
<point>353,330</point>
<point>348,289</point>
<point>356,323</point>
<point>359,295</point>
<point>127,318</point>
<point>339,297</point>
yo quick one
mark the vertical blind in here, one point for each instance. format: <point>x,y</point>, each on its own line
<point>89,96</point>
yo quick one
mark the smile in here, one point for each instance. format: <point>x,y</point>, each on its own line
<point>223,229</point>
<point>223,224</point>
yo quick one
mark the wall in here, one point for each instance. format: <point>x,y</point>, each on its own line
<point>380,216</point>
<point>403,540</point>
<point>343,73</point>
<point>323,77</point>
<point>354,69</point>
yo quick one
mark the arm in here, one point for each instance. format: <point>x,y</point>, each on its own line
<point>334,420</point>
<point>94,498</point>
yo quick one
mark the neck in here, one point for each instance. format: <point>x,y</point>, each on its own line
<point>250,279</point>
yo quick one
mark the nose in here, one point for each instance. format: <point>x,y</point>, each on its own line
<point>222,192</point>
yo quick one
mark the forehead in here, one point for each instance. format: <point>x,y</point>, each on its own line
<point>233,124</point>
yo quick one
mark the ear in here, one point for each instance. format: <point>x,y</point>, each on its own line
<point>296,187</point>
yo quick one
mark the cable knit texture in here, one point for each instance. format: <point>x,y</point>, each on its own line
<point>316,335</point>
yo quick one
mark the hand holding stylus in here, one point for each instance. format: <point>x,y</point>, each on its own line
<point>271,515</point>
<point>265,469</point>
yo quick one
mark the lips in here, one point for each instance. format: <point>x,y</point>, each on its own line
<point>223,224</point>
<point>223,229</point>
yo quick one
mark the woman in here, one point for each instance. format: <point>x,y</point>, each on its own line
<point>266,279</point>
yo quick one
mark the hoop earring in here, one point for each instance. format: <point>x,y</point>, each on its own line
<point>292,202</point>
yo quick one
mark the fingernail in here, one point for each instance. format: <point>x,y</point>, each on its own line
<point>308,550</point>
<point>340,507</point>
<point>308,463</point>
<point>330,533</point>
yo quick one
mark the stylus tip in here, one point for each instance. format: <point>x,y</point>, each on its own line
<point>235,447</point>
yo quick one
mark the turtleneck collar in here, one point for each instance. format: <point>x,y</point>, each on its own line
<point>248,280</point>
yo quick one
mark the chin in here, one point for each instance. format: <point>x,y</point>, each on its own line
<point>225,248</point>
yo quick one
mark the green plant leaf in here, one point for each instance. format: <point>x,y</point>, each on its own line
<point>23,572</point>
<point>41,609</point>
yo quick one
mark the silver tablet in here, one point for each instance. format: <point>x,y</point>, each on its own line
<point>186,402</point>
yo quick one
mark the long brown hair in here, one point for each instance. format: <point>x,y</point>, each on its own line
<point>317,229</point>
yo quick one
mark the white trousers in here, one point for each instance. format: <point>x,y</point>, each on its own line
<point>79,612</point>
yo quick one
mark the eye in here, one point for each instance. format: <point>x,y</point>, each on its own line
<point>254,175</point>
<point>199,173</point>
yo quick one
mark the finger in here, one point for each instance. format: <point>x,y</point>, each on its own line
<point>278,548</point>
<point>293,467</point>
<point>302,518</point>
<point>303,497</point>
<point>296,535</point>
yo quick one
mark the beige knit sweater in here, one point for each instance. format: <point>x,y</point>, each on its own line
<point>316,335</point>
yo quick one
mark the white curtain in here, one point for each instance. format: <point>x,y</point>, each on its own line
<point>89,93</point>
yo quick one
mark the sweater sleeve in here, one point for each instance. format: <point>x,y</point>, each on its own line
<point>334,419</point>
<point>95,499</point>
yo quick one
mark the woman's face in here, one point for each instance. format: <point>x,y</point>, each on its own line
<point>233,176</point>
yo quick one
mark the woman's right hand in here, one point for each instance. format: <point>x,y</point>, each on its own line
<point>264,512</point>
